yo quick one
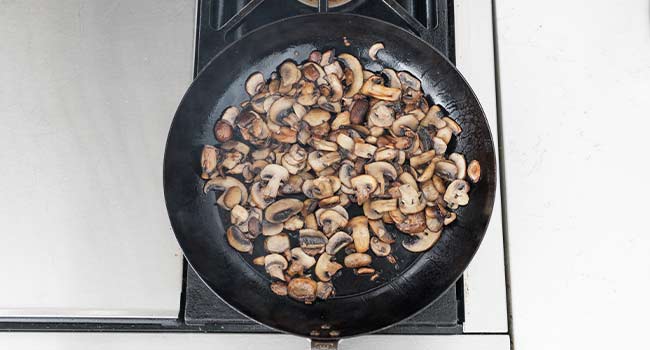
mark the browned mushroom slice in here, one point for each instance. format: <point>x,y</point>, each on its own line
<point>324,290</point>
<point>279,288</point>
<point>457,194</point>
<point>289,75</point>
<point>331,220</point>
<point>386,153</point>
<point>329,201</point>
<point>383,172</point>
<point>372,51</point>
<point>429,191</point>
<point>238,240</point>
<point>232,197</point>
<point>354,65</point>
<point>271,229</point>
<point>391,78</point>
<point>312,242</point>
<point>439,184</point>
<point>282,210</point>
<point>356,260</point>
<point>381,114</point>
<point>461,165</point>
<point>373,88</point>
<point>294,223</point>
<point>316,117</point>
<point>413,223</point>
<point>275,264</point>
<point>337,242</point>
<point>257,196</point>
<point>342,119</point>
<point>360,233</point>
<point>346,173</point>
<point>369,212</point>
<point>446,170</point>
<point>421,241</point>
<point>444,134</point>
<point>409,81</point>
<point>326,268</point>
<point>277,243</point>
<point>364,186</point>
<point>451,217</point>
<point>320,160</point>
<point>474,171</point>
<point>209,157</point>
<point>302,289</point>
<point>379,230</point>
<point>305,260</point>
<point>411,201</point>
<point>337,87</point>
<point>383,205</point>
<point>358,111</point>
<point>379,247</point>
<point>422,159</point>
<point>274,175</point>
<point>333,107</point>
<point>225,183</point>
<point>238,215</point>
<point>408,121</point>
<point>254,83</point>
<point>323,145</point>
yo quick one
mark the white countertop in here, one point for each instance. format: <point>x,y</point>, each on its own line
<point>575,93</point>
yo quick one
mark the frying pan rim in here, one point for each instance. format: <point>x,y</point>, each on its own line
<point>491,196</point>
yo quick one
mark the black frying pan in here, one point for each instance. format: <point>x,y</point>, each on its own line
<point>200,227</point>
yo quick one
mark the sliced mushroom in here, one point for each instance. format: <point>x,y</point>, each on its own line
<point>411,201</point>
<point>232,197</point>
<point>342,119</point>
<point>358,111</point>
<point>429,191</point>
<point>289,75</point>
<point>324,290</point>
<point>373,88</point>
<point>379,247</point>
<point>275,264</point>
<point>412,224</point>
<point>382,172</point>
<point>360,233</point>
<point>354,65</point>
<point>337,242</point>
<point>335,69</point>
<point>451,217</point>
<point>320,160</point>
<point>446,170</point>
<point>274,175</point>
<point>421,241</point>
<point>294,223</point>
<point>346,142</point>
<point>282,210</point>
<point>386,153</point>
<point>381,114</point>
<point>372,51</point>
<point>254,83</point>
<point>391,78</point>
<point>379,230</point>
<point>370,213</point>
<point>279,288</point>
<point>383,205</point>
<point>439,146</point>
<point>238,215</point>
<point>323,145</point>
<point>302,289</point>
<point>444,134</point>
<point>408,121</point>
<point>277,243</point>
<point>312,71</point>
<point>302,258</point>
<point>309,94</point>
<point>364,186</point>
<point>461,165</point>
<point>257,196</point>
<point>224,183</point>
<point>312,242</point>
<point>326,268</point>
<point>355,260</point>
<point>457,194</point>
<point>281,112</point>
<point>331,220</point>
<point>422,159</point>
<point>238,240</point>
<point>439,184</point>
<point>209,157</point>
<point>455,128</point>
<point>329,201</point>
<point>311,222</point>
<point>337,87</point>
<point>474,171</point>
<point>408,80</point>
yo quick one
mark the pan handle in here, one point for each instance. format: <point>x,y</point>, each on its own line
<point>324,344</point>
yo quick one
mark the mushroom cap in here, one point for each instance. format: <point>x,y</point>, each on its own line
<point>209,157</point>
<point>302,289</point>
<point>357,73</point>
<point>277,243</point>
<point>280,110</point>
<point>282,210</point>
<point>275,264</point>
<point>337,242</point>
<point>257,196</point>
<point>446,170</point>
<point>364,185</point>
<point>355,260</point>
<point>275,174</point>
<point>421,241</point>
<point>331,220</point>
<point>346,172</point>
<point>289,75</point>
<point>407,121</point>
<point>381,171</point>
<point>474,171</point>
<point>326,268</point>
<point>254,83</point>
<point>238,240</point>
<point>457,194</point>
<point>379,247</point>
<point>411,201</point>
<point>304,259</point>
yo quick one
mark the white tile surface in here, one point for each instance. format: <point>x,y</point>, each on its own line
<point>122,341</point>
<point>575,83</point>
<point>485,287</point>
<point>87,93</point>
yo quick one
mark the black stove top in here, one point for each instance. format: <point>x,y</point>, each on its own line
<point>221,22</point>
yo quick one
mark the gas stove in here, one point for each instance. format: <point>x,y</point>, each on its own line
<point>221,22</point>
